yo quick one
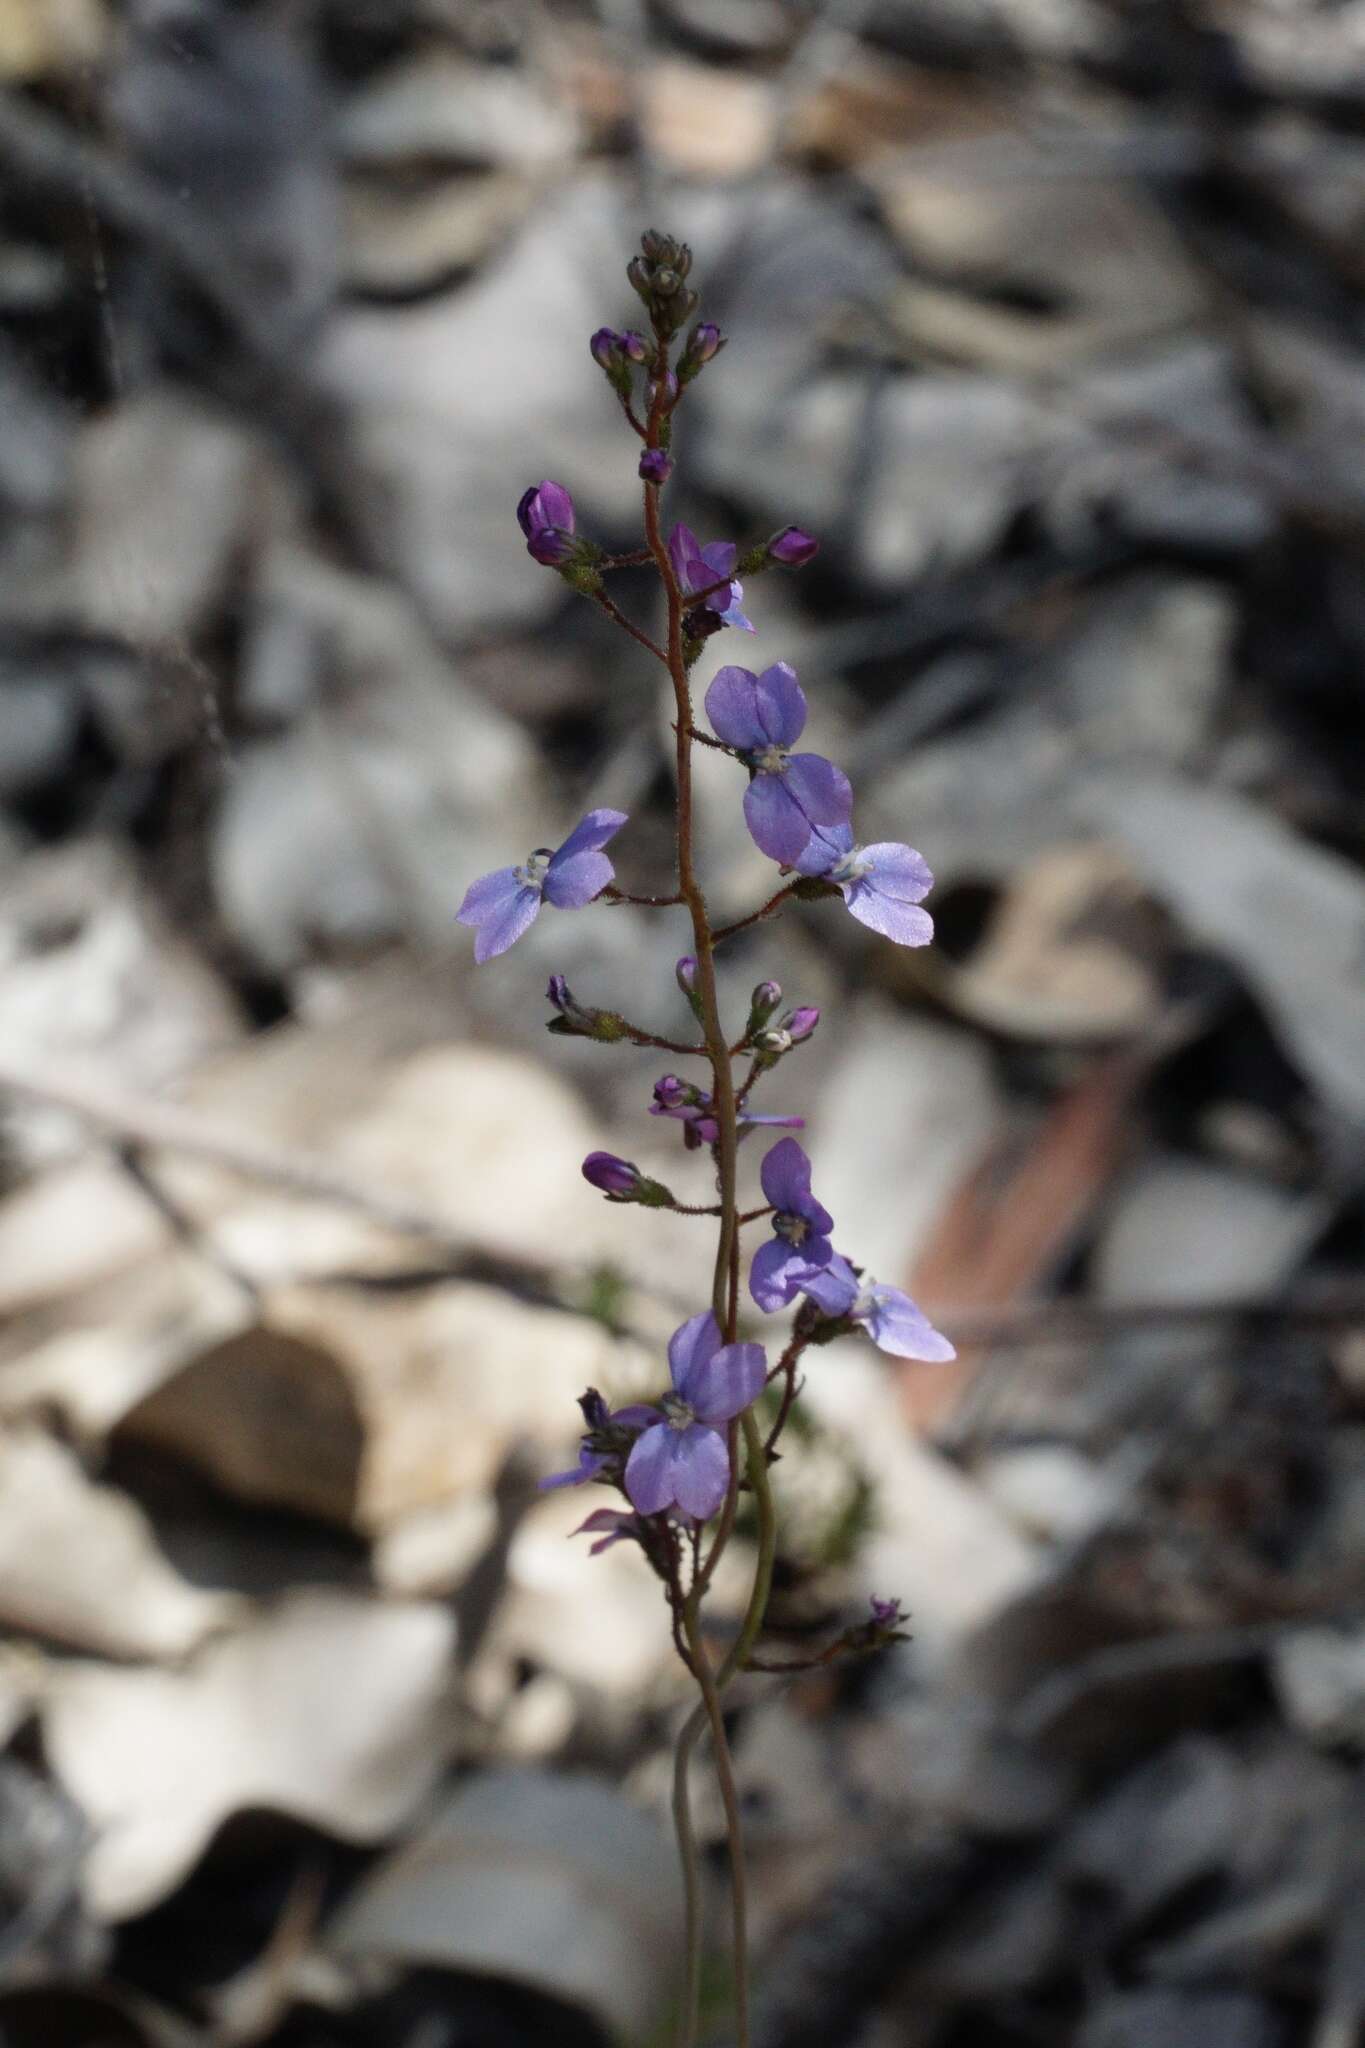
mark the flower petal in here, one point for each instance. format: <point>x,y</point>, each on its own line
<point>785,1174</point>
<point>732,707</point>
<point>701,1471</point>
<point>487,896</point>
<point>781,704</point>
<point>682,553</point>
<point>835,1289</point>
<point>556,506</point>
<point>896,1324</point>
<point>649,1469</point>
<point>589,1465</point>
<point>822,790</point>
<point>778,1274</point>
<point>730,614</point>
<point>691,1346</point>
<point>902,922</point>
<point>727,1383</point>
<point>615,1521</point>
<point>719,557</point>
<point>777,824</point>
<point>898,871</point>
<point>827,847</point>
<point>506,925</point>
<point>572,883</point>
<point>589,833</point>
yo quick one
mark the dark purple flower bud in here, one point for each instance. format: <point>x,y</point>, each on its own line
<point>705,341</point>
<point>886,1613</point>
<point>577,1020</point>
<point>606,348</point>
<point>793,547</point>
<point>635,346</point>
<point>545,515</point>
<point>801,1023</point>
<point>595,1410</point>
<point>656,467</point>
<point>639,277</point>
<point>672,1094</point>
<point>763,1006</point>
<point>620,1181</point>
<point>614,1176</point>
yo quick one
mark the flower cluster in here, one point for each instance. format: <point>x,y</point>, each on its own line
<point>678,1462</point>
<point>674,1459</point>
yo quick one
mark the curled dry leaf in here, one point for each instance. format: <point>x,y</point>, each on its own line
<point>329,1708</point>
<point>551,1880</point>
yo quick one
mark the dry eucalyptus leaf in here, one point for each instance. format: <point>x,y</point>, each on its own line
<point>1062,958</point>
<point>268,1417</point>
<point>447,1378</point>
<point>552,1880</point>
<point>1289,916</point>
<point>79,1563</point>
<point>330,1708</point>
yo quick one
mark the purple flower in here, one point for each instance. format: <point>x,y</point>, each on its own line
<point>635,345</point>
<point>605,348</point>
<point>683,1460</point>
<point>545,515</point>
<point>704,342</point>
<point>693,1109</point>
<point>893,1322</point>
<point>790,794</point>
<point>656,467</point>
<point>799,1024</point>
<point>886,1614</point>
<point>881,884</point>
<point>793,547</point>
<point>501,906</point>
<point>697,567</point>
<point>800,1245</point>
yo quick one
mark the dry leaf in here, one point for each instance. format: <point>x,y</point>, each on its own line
<point>329,1708</point>
<point>79,1563</point>
<point>545,1879</point>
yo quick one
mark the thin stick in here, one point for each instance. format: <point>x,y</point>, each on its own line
<point>613,611</point>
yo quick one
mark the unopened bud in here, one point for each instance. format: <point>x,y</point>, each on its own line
<point>763,1005</point>
<point>801,1023</point>
<point>686,972</point>
<point>620,1181</point>
<point>793,547</point>
<point>656,466</point>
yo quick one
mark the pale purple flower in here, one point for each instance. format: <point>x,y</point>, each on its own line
<point>800,1245</point>
<point>894,1323</point>
<point>882,884</point>
<point>886,1614</point>
<point>605,348</point>
<point>697,568</point>
<point>762,717</point>
<point>502,905</point>
<point>693,1109</point>
<point>545,515</point>
<point>683,1460</point>
<point>793,547</point>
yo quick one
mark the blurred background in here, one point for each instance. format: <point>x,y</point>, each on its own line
<point>1046,317</point>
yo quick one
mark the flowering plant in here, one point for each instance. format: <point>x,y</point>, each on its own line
<point>681,1462</point>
